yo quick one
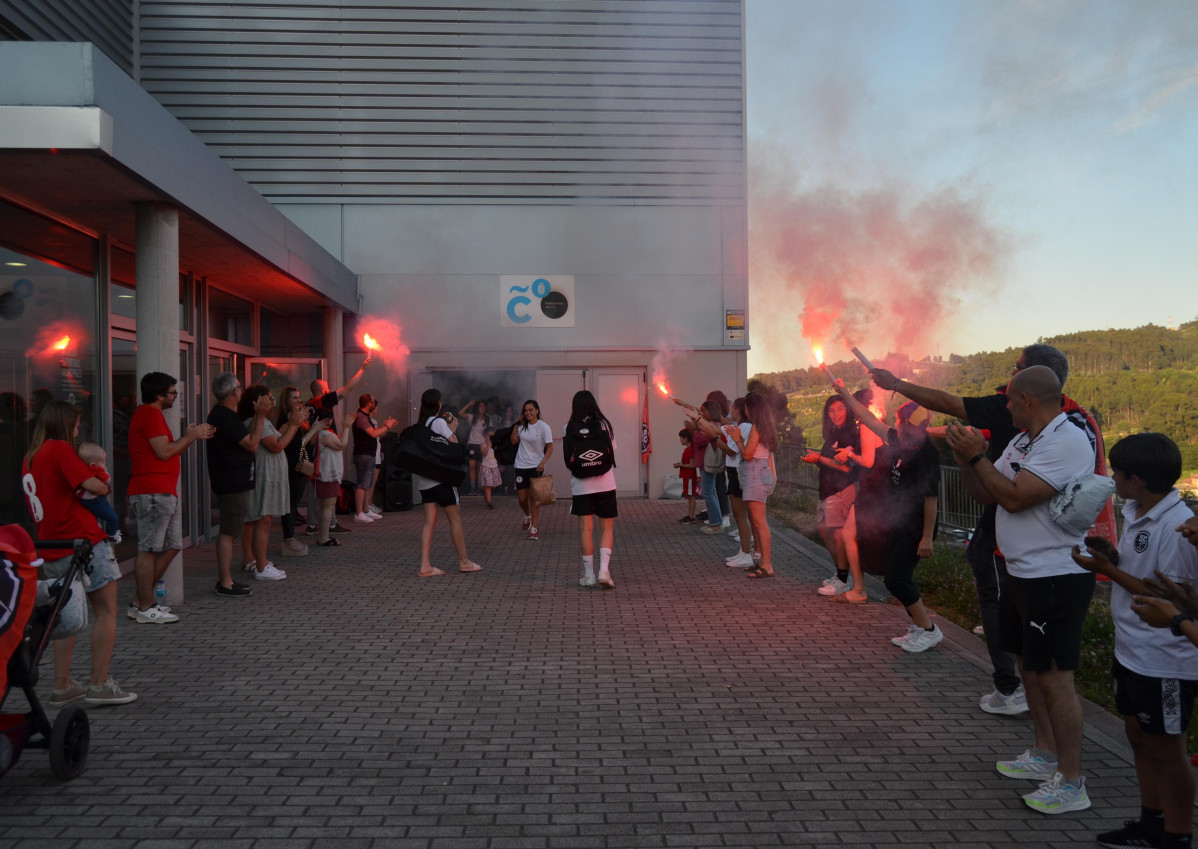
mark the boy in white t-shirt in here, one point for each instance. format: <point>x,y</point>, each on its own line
<point>1156,673</point>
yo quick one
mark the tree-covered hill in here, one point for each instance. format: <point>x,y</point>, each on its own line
<point>1132,380</point>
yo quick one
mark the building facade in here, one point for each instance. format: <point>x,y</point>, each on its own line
<point>534,198</point>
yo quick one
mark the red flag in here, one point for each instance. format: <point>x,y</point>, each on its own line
<point>646,442</point>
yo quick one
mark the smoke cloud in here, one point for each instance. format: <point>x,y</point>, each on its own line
<point>883,269</point>
<point>669,348</point>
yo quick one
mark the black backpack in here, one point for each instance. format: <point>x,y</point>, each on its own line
<point>589,452</point>
<point>428,454</point>
<point>501,444</point>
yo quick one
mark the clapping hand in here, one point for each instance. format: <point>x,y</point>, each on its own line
<point>1189,530</point>
<point>1157,612</point>
<point>1103,557</point>
<point>1182,595</point>
<point>965,441</point>
<point>200,430</point>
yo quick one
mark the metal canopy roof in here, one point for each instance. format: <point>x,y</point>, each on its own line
<point>81,142</point>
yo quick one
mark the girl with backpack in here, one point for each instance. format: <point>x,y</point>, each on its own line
<point>587,435</point>
<point>435,495</point>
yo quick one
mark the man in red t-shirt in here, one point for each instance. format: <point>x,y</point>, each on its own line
<point>153,491</point>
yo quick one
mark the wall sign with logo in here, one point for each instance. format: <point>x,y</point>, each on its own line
<point>734,325</point>
<point>526,300</point>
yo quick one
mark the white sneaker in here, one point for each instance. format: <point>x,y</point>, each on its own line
<point>156,615</point>
<point>131,611</point>
<point>604,580</point>
<point>270,573</point>
<point>1027,765</point>
<point>1054,796</point>
<point>911,629</point>
<point>727,522</point>
<point>735,535</point>
<point>363,519</point>
<point>587,581</point>
<point>1010,705</point>
<point>740,560</point>
<point>375,510</point>
<point>833,587</point>
<point>921,640</point>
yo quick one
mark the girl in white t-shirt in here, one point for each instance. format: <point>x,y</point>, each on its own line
<point>434,494</point>
<point>535,439</point>
<point>594,496</point>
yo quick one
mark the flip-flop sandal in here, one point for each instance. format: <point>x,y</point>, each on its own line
<point>473,567</point>
<point>758,573</point>
<point>845,598</point>
<point>433,574</point>
<point>329,541</point>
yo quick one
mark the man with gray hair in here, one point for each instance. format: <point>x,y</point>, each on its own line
<point>1045,595</point>
<point>988,412</point>
<point>231,471</point>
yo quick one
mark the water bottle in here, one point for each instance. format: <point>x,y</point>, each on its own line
<point>160,593</point>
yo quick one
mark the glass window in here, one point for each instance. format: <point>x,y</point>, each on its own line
<point>47,349</point>
<point>276,333</point>
<point>230,318</point>
<point>122,295</point>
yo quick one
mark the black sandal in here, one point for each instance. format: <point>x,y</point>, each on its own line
<point>330,541</point>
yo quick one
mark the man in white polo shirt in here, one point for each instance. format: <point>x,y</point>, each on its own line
<point>1045,597</point>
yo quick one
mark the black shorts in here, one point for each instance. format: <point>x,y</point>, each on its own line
<point>1041,619</point>
<point>524,478</point>
<point>1160,705</point>
<point>474,452</point>
<point>601,504</point>
<point>443,494</point>
<point>734,490</point>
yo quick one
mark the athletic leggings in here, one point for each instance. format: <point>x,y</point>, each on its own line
<point>901,561</point>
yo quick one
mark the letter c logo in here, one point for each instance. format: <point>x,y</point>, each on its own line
<point>518,318</point>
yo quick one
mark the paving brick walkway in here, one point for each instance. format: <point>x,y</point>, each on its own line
<point>356,705</point>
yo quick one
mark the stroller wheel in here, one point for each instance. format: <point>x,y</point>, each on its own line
<point>69,742</point>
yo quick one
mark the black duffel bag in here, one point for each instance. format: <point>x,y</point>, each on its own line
<point>430,455</point>
<point>501,444</point>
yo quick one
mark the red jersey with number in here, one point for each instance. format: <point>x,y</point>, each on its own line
<point>49,483</point>
<point>150,475</point>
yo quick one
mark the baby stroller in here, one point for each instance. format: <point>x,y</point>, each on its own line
<point>25,631</point>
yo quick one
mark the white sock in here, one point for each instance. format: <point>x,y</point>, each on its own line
<point>588,565</point>
<point>604,561</point>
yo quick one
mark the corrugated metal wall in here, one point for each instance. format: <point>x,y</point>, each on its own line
<point>109,24</point>
<point>460,101</point>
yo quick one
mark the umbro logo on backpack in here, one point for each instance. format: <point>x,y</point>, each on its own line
<point>588,448</point>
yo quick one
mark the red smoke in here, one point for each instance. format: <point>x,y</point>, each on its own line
<point>386,335</point>
<point>884,270</point>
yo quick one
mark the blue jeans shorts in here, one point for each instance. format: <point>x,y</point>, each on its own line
<point>105,569</point>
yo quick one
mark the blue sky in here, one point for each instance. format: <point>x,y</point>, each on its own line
<point>1066,132</point>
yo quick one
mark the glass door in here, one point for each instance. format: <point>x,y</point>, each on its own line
<point>125,398</point>
<point>187,401</point>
